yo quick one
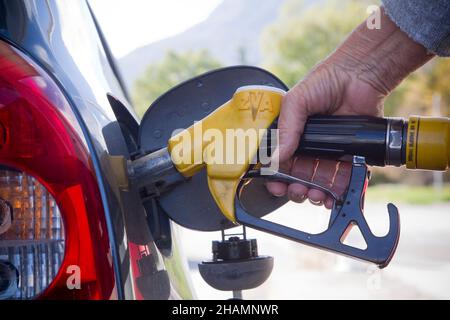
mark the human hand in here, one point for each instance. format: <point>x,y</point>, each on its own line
<point>354,80</point>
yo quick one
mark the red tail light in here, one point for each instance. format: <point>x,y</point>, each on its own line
<point>41,140</point>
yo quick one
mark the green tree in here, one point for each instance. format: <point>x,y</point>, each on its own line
<point>433,79</point>
<point>173,69</point>
<point>305,33</point>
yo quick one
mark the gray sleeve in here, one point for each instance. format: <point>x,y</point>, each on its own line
<point>425,21</point>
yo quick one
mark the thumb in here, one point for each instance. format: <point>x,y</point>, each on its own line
<point>291,123</point>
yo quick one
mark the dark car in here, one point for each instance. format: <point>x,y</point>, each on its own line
<point>69,227</point>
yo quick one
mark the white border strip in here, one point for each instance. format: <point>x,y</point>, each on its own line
<point>266,88</point>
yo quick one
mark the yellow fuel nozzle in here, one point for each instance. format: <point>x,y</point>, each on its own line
<point>428,143</point>
<point>227,141</point>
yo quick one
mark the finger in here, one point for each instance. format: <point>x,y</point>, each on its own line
<point>324,176</point>
<point>342,178</point>
<point>302,168</point>
<point>279,189</point>
<point>291,122</point>
<point>328,203</point>
<point>316,197</point>
<point>297,192</point>
<point>326,172</point>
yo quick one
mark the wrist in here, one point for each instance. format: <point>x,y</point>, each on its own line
<point>380,57</point>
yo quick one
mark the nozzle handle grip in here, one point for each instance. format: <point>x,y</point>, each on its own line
<point>341,137</point>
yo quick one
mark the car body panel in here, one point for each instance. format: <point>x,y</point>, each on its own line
<point>63,38</point>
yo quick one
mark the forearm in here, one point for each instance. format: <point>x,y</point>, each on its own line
<point>380,57</point>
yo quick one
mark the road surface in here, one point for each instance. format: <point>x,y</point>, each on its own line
<point>419,270</point>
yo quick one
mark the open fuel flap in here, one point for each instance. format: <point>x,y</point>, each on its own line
<point>189,202</point>
<point>236,264</point>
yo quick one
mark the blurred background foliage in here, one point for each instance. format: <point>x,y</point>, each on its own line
<point>299,39</point>
<point>173,69</point>
<point>302,34</point>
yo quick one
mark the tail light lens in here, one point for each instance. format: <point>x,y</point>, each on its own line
<point>31,236</point>
<point>53,235</point>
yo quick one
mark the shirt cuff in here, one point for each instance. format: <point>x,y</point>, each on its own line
<point>426,22</point>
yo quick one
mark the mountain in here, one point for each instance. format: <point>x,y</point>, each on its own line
<point>231,34</point>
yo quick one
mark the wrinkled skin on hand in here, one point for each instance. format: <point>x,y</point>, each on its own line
<point>353,80</point>
<point>328,89</point>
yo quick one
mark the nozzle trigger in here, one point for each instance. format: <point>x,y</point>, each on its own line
<point>347,212</point>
